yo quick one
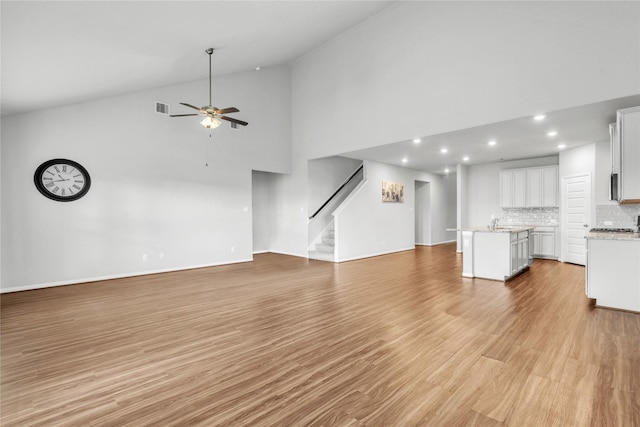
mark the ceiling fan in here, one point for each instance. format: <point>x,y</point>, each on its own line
<point>213,115</point>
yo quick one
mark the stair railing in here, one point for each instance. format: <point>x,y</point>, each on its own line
<point>335,193</point>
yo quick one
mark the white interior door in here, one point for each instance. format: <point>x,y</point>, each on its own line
<point>576,217</point>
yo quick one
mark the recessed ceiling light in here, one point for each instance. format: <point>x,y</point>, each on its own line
<point>405,160</point>
<point>539,117</point>
<point>561,146</point>
<point>446,170</point>
<point>443,150</point>
<point>258,68</point>
<point>552,133</point>
<point>465,159</point>
<point>492,143</point>
<point>417,140</point>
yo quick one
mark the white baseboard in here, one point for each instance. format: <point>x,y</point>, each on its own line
<point>114,276</point>
<point>260,252</point>
<point>290,254</point>
<point>375,254</point>
<point>437,243</point>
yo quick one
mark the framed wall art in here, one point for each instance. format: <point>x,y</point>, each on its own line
<point>392,192</point>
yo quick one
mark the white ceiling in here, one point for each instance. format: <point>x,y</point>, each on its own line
<point>61,52</point>
<point>515,139</point>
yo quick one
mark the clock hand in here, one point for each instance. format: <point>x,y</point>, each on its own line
<point>61,179</point>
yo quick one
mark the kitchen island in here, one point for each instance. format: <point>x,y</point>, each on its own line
<point>497,254</point>
<point>613,270</point>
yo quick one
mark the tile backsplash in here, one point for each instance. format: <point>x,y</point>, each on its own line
<point>621,216</point>
<point>530,216</point>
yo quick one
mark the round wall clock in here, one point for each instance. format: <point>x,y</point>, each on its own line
<point>62,180</point>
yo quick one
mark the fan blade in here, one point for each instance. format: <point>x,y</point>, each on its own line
<point>183,115</point>
<point>229,119</point>
<point>228,110</point>
<point>191,106</point>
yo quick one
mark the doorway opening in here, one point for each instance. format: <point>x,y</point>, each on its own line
<point>422,213</point>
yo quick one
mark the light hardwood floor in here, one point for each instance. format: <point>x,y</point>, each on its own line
<point>396,340</point>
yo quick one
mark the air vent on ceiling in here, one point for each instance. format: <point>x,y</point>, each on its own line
<point>162,108</point>
<point>235,126</point>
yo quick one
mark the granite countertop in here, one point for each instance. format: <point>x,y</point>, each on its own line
<point>611,236</point>
<point>485,229</point>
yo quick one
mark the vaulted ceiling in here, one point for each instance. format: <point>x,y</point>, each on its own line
<point>58,52</point>
<point>62,52</point>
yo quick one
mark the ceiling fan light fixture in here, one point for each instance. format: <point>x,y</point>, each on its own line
<point>213,116</point>
<point>211,122</point>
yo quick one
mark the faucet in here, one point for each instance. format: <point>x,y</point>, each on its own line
<point>494,223</point>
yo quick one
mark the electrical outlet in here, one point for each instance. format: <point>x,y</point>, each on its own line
<point>145,257</point>
<point>161,255</point>
<point>608,223</point>
<point>233,248</point>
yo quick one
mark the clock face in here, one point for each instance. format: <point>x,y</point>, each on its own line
<point>62,180</point>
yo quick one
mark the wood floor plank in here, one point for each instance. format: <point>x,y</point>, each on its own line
<point>400,339</point>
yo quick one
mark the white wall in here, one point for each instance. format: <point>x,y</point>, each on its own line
<point>461,203</point>
<point>602,174</point>
<point>483,188</point>
<point>151,192</point>
<point>366,226</point>
<point>425,68</point>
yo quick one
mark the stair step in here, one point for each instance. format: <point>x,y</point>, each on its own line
<point>325,248</point>
<point>328,241</point>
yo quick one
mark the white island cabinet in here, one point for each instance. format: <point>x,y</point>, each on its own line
<point>495,254</point>
<point>613,270</point>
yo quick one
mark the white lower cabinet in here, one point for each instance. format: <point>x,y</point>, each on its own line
<point>613,273</point>
<point>523,251</point>
<point>545,242</point>
<point>514,257</point>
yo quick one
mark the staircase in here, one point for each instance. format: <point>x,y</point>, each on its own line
<point>321,221</point>
<point>324,248</point>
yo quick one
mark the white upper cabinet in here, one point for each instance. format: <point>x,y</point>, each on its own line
<point>519,197</point>
<point>530,188</point>
<point>534,187</point>
<point>506,188</point>
<point>628,126</point>
<point>550,186</point>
